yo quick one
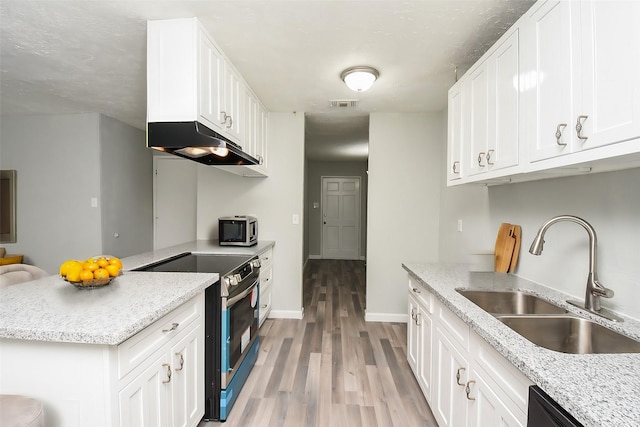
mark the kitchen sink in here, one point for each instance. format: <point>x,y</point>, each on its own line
<point>510,302</point>
<point>570,334</point>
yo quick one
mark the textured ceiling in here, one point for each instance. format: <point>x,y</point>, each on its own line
<point>60,56</point>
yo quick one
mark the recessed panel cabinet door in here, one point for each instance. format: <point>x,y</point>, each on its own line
<point>548,80</point>
<point>210,83</point>
<point>610,73</point>
<point>187,382</point>
<point>449,401</point>
<point>487,409</point>
<point>455,129</point>
<point>146,401</point>
<point>475,146</point>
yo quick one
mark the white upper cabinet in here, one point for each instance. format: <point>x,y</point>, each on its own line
<point>609,72</point>
<point>233,102</point>
<point>558,94</point>
<point>211,84</point>
<point>548,58</point>
<point>454,132</point>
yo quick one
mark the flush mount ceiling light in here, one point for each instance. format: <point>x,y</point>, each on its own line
<point>359,78</point>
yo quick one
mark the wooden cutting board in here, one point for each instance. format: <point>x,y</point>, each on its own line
<point>505,244</point>
<point>517,235</point>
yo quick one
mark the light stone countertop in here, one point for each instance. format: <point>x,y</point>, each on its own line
<point>50,309</point>
<point>599,390</point>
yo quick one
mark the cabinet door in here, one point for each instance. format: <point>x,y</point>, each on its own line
<point>455,132</point>
<point>412,335</point>
<point>187,382</point>
<point>145,401</point>
<point>449,398</point>
<point>479,102</point>
<point>486,408</point>
<point>504,117</point>
<point>548,80</point>
<point>233,97</point>
<point>425,351</point>
<point>610,73</point>
<point>250,122</point>
<point>211,83</point>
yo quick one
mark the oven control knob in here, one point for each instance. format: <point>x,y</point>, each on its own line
<point>231,281</point>
<point>235,279</point>
<point>255,263</point>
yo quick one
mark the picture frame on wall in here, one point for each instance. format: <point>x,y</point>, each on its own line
<point>8,206</point>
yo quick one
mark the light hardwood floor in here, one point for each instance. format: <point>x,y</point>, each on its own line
<point>331,368</point>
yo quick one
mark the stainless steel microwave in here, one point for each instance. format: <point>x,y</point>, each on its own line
<point>238,230</point>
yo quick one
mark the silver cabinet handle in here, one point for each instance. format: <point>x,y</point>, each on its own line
<point>223,117</point>
<point>467,389</point>
<point>174,326</point>
<point>181,362</point>
<point>229,123</point>
<point>168,373</point>
<point>458,376</point>
<point>456,168</point>
<point>260,160</point>
<point>413,313</point>
<point>559,133</point>
<point>418,323</point>
<point>489,153</point>
<point>480,159</point>
<point>579,127</point>
<point>416,290</point>
<point>264,306</point>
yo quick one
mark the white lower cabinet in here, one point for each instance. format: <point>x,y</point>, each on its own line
<point>468,383</point>
<point>168,387</point>
<point>266,285</point>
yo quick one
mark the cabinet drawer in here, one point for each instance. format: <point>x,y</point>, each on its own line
<point>456,328</point>
<point>266,277</point>
<point>266,258</point>
<point>265,302</point>
<point>422,295</point>
<point>140,346</point>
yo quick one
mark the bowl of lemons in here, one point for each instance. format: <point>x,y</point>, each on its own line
<point>92,273</point>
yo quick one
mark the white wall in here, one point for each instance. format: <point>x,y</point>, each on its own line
<point>62,162</point>
<point>610,202</point>
<point>313,221</point>
<point>57,159</point>
<point>126,181</point>
<point>405,176</point>
<point>273,200</point>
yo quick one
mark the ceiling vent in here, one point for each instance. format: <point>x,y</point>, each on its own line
<point>344,103</point>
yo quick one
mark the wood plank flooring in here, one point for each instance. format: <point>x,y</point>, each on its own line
<point>331,368</point>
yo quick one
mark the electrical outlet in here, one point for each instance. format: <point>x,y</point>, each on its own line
<point>459,225</point>
<point>296,219</point>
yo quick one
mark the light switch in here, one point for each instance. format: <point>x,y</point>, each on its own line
<point>316,205</point>
<point>94,202</point>
<point>459,225</point>
<point>296,219</point>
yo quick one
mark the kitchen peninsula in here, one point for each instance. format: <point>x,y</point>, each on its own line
<point>92,356</point>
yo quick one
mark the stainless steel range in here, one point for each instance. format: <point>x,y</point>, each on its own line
<point>231,323</point>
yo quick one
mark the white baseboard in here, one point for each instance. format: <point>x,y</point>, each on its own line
<point>315,256</point>
<point>386,317</point>
<point>363,258</point>
<point>287,314</point>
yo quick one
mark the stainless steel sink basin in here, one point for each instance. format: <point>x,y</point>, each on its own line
<point>510,302</point>
<point>569,334</point>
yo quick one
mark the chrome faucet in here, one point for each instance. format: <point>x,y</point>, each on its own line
<point>595,289</point>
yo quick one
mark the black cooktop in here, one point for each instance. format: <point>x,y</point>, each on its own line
<point>199,263</point>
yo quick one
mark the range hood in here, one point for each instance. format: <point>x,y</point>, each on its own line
<point>195,141</point>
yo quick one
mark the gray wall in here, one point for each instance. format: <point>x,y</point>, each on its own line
<point>273,200</point>
<point>59,164</point>
<point>126,181</point>
<point>405,176</point>
<point>313,220</point>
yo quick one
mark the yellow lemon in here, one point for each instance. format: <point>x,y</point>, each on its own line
<point>90,265</point>
<point>101,273</point>
<point>113,270</point>
<point>73,273</point>
<point>115,261</point>
<point>102,262</point>
<point>64,267</point>
<point>86,275</point>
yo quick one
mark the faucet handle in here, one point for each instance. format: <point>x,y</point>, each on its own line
<point>601,291</point>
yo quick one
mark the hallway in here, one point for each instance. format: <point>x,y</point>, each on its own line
<point>331,368</point>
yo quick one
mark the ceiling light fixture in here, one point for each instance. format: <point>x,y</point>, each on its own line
<point>359,78</point>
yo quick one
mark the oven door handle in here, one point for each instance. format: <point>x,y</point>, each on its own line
<point>235,299</point>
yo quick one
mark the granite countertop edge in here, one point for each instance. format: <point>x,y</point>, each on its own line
<point>597,389</point>
<point>51,310</point>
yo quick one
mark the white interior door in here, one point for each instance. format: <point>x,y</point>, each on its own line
<point>174,204</point>
<point>341,217</point>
